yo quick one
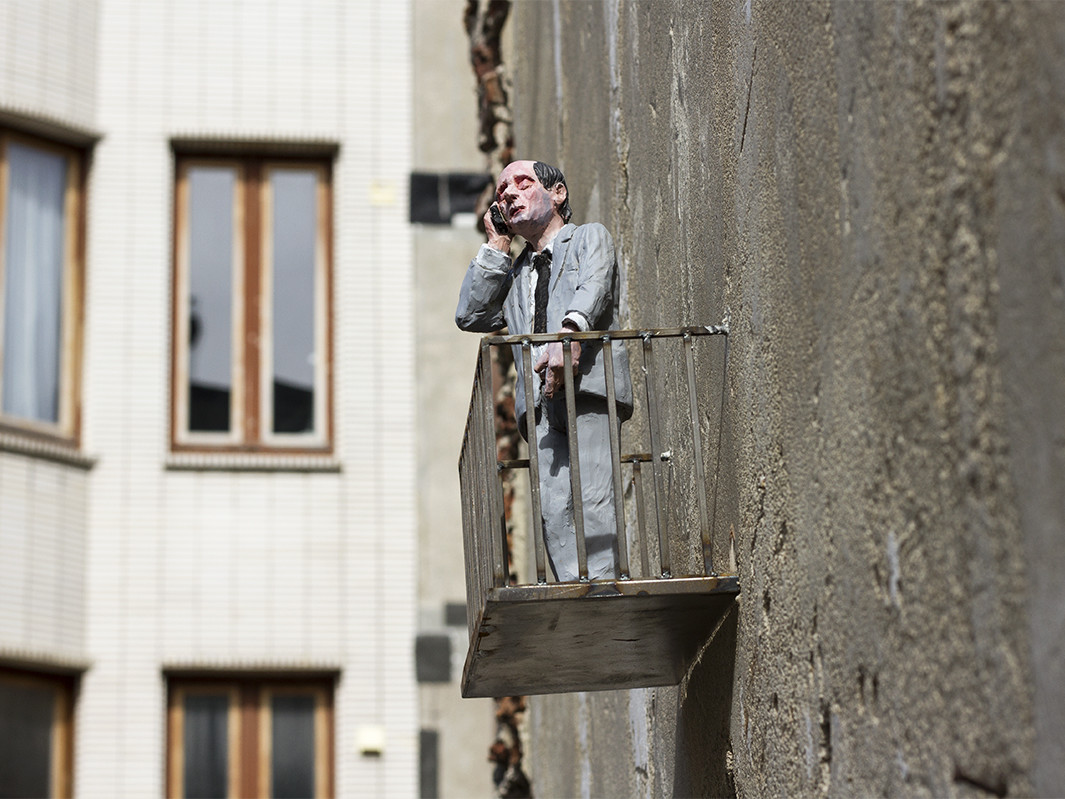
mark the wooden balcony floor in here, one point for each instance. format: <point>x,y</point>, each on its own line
<point>604,635</point>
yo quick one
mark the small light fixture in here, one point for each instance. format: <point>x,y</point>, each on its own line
<point>370,740</point>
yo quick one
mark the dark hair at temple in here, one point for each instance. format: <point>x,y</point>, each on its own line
<point>548,176</point>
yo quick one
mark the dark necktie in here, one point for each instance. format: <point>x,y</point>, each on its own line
<point>542,265</point>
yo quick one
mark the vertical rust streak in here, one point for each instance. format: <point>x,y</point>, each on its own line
<point>484,21</point>
<point>484,25</point>
<point>654,428</point>
<point>697,456</point>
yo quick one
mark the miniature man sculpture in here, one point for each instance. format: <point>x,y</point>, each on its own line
<point>566,278</point>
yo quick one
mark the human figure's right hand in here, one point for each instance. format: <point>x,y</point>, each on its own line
<point>495,238</point>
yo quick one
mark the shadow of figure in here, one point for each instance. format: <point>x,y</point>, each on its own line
<point>704,709</point>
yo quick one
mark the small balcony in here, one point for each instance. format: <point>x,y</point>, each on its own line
<point>675,580</point>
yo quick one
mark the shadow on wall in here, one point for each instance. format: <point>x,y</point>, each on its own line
<point>704,708</point>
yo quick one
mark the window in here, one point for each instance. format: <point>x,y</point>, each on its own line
<point>252,305</point>
<point>40,285</point>
<point>35,734</point>
<point>250,738</point>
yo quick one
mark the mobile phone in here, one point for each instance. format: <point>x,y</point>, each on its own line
<point>498,222</point>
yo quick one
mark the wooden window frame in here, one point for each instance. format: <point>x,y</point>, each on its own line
<point>249,742</point>
<point>176,732</point>
<point>62,767</point>
<point>67,430</point>
<point>252,312</point>
<point>322,722</point>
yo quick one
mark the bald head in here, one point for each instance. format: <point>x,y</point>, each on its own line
<point>535,210</point>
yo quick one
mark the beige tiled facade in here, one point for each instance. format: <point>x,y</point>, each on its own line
<point>117,563</point>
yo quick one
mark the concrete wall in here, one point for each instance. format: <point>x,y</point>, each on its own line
<point>873,193</point>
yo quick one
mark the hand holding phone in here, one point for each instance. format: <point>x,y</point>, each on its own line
<point>498,222</point>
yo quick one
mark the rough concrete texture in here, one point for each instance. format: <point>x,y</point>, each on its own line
<point>874,193</point>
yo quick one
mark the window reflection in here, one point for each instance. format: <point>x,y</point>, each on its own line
<point>294,240</point>
<point>292,746</point>
<point>211,199</point>
<point>32,284</point>
<point>26,714</point>
<point>206,746</point>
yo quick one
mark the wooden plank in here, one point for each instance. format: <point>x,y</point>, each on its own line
<point>603,635</point>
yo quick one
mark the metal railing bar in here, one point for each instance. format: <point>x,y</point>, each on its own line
<point>472,594</point>
<point>628,457</point>
<point>519,463</point>
<point>720,427</point>
<point>641,519</point>
<point>574,459</point>
<point>533,462</point>
<point>503,527</point>
<point>488,443</point>
<point>656,451</point>
<point>697,454</point>
<point>615,464</point>
<point>616,335</point>
<point>482,558</point>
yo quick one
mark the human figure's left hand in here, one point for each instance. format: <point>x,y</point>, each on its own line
<point>551,363</point>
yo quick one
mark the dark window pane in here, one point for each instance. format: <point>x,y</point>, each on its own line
<point>292,745</point>
<point>429,764</point>
<point>432,657</point>
<point>210,219</point>
<point>26,714</point>
<point>206,746</point>
<point>33,282</point>
<point>293,239</point>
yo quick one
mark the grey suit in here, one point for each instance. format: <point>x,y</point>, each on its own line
<point>584,279</point>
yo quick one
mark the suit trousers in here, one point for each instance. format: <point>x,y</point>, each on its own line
<point>597,488</point>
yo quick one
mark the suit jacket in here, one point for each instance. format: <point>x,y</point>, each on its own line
<point>584,278</point>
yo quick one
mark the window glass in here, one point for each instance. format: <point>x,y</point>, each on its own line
<point>249,737</point>
<point>251,336</point>
<point>206,746</point>
<point>26,715</point>
<point>34,254</point>
<point>210,388</point>
<point>292,746</point>
<point>293,242</point>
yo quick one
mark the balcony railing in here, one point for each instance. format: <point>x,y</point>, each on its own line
<point>674,581</point>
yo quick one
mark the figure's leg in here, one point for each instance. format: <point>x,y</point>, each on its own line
<point>556,500</point>
<point>597,492</point>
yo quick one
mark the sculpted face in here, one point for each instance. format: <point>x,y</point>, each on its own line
<point>526,205</point>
